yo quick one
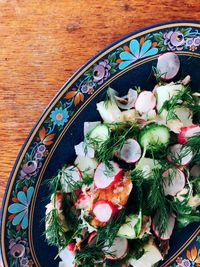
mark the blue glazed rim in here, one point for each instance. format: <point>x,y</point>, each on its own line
<point>46,110</point>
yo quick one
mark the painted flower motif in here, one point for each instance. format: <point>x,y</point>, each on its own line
<point>75,95</point>
<point>25,262</point>
<point>29,169</point>
<point>87,88</point>
<point>18,247</point>
<point>193,256</point>
<point>174,40</point>
<point>19,209</point>
<point>101,72</point>
<point>135,51</point>
<point>193,43</point>
<point>59,116</point>
<point>179,260</point>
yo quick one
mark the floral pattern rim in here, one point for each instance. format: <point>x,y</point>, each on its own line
<point>171,39</point>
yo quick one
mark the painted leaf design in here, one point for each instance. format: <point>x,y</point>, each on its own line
<point>70,94</point>
<point>78,98</point>
<point>42,133</point>
<point>48,139</point>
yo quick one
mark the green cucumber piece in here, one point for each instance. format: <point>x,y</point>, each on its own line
<point>154,137</point>
<point>100,134</point>
<point>132,226</point>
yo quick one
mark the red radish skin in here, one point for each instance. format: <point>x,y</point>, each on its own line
<point>71,247</point>
<point>168,64</point>
<point>170,227</point>
<point>187,131</point>
<point>118,250</point>
<point>176,152</point>
<point>104,210</point>
<point>146,101</point>
<point>131,151</point>
<point>104,178</point>
<point>92,238</point>
<point>176,185</point>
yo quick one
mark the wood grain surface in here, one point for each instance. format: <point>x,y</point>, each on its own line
<point>43,42</point>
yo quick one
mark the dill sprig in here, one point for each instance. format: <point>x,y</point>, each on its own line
<point>119,134</point>
<point>55,232</point>
<point>151,193</point>
<point>88,255</point>
<point>158,75</point>
<point>170,105</point>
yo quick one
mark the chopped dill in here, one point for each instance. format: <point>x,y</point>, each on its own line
<point>119,134</point>
<point>158,75</point>
<point>88,255</point>
<point>175,101</point>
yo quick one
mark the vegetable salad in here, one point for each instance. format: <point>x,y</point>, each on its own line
<point>135,179</point>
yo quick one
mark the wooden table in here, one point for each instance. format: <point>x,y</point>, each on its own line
<point>43,42</point>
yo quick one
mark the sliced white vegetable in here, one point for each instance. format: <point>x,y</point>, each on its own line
<point>166,92</point>
<point>109,111</point>
<point>83,149</point>
<point>180,154</point>
<point>127,101</point>
<point>149,115</point>
<point>184,114</point>
<point>86,164</point>
<point>145,102</point>
<point>132,226</point>
<point>129,115</point>
<point>169,230</point>
<point>104,210</point>
<point>118,250</point>
<point>175,181</point>
<point>150,257</point>
<point>168,64</point>
<point>67,257</point>
<point>89,126</point>
<point>187,131</point>
<point>70,175</point>
<point>105,177</point>
<point>131,151</point>
<point>100,133</point>
<point>146,165</point>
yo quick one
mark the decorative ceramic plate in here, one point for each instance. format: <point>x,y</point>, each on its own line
<point>127,62</point>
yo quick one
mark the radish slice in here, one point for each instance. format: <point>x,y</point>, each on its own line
<point>145,102</point>
<point>104,177</point>
<point>104,210</point>
<point>168,64</point>
<point>118,250</point>
<point>176,184</point>
<point>180,154</point>
<point>169,230</point>
<point>71,247</point>
<point>70,175</point>
<point>83,149</point>
<point>92,238</point>
<point>186,132</point>
<point>67,257</point>
<point>127,101</point>
<point>131,151</point>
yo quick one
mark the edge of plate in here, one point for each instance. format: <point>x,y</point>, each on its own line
<point>59,92</point>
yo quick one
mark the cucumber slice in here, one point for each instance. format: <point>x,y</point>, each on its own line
<point>154,137</point>
<point>132,226</point>
<point>100,134</point>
